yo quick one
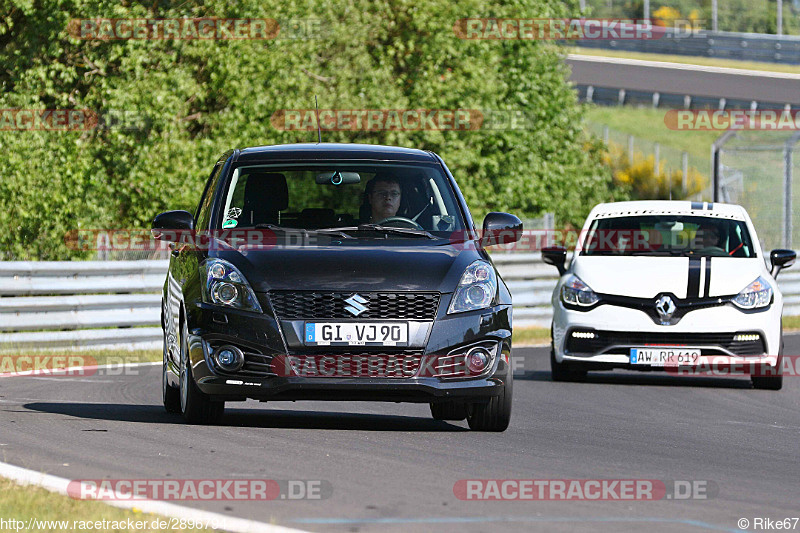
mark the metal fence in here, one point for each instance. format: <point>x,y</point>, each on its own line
<point>116,304</point>
<point>721,44</point>
<point>756,169</point>
<point>74,304</point>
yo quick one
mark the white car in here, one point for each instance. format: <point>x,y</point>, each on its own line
<point>655,284</point>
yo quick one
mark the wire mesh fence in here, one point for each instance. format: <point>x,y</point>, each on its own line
<point>676,174</point>
<point>760,171</point>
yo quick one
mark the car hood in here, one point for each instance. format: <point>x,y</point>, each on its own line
<point>354,268</point>
<point>646,277</point>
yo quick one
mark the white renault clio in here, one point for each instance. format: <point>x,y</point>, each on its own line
<point>660,284</point>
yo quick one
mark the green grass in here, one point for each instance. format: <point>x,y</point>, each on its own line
<point>530,335</point>
<point>689,60</point>
<point>26,503</point>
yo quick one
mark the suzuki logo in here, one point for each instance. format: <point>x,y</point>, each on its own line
<point>356,306</point>
<point>665,307</point>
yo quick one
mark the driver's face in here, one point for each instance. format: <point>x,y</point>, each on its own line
<point>384,200</point>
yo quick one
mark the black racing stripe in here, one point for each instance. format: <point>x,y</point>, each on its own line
<point>708,277</point>
<point>697,205</point>
<point>710,206</point>
<point>693,288</point>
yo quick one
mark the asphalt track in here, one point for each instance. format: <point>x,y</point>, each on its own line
<point>394,468</point>
<point>676,78</point>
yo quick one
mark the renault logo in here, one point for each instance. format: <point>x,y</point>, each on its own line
<point>665,307</point>
<point>356,305</point>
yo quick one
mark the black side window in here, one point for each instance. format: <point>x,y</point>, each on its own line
<point>203,215</point>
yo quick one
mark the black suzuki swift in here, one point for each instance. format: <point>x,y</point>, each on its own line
<point>336,272</point>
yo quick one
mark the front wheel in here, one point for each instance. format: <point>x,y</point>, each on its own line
<point>171,396</point>
<point>494,415</point>
<point>197,407</point>
<point>564,371</point>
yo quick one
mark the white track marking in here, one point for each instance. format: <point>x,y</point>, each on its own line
<point>59,485</point>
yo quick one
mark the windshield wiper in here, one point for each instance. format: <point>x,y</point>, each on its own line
<point>377,228</point>
<point>321,231</point>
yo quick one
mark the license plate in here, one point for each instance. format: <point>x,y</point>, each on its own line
<point>356,334</point>
<point>664,356</point>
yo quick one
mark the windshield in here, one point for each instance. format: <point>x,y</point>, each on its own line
<point>351,199</point>
<point>669,235</point>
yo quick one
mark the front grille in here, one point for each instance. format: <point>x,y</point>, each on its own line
<point>295,305</point>
<point>357,366</point>
<point>256,364</point>
<point>707,342</point>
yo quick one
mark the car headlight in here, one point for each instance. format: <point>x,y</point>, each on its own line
<point>757,294</point>
<point>576,292</point>
<point>225,285</point>
<point>476,289</point>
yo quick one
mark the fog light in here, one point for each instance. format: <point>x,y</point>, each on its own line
<point>477,360</point>
<point>742,337</point>
<point>229,358</point>
<point>583,335</point>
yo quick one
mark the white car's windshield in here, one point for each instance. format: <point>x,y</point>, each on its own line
<point>669,235</point>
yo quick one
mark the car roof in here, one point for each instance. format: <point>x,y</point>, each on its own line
<point>323,151</point>
<point>669,207</point>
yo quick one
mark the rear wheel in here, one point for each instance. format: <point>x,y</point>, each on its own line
<point>564,371</point>
<point>495,414</point>
<point>449,411</point>
<point>171,396</point>
<point>197,407</point>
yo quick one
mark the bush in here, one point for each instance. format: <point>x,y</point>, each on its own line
<point>643,181</point>
<point>197,99</point>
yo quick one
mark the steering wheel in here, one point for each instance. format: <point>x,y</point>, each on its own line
<point>403,222</point>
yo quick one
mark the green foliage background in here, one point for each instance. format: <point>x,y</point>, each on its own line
<point>200,98</point>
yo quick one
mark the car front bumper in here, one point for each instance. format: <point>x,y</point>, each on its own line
<point>272,343</point>
<point>712,330</point>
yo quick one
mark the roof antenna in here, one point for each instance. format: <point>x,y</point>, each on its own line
<point>319,129</point>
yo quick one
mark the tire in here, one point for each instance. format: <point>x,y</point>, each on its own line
<point>197,408</point>
<point>171,396</point>
<point>771,382</point>
<point>564,371</point>
<point>449,411</point>
<point>495,414</point>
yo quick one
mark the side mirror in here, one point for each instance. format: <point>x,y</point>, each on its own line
<point>556,256</point>
<point>501,228</point>
<point>169,225</point>
<point>781,259</point>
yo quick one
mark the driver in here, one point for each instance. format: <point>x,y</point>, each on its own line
<point>709,240</point>
<point>384,195</point>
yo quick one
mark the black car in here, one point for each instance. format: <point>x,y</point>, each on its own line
<point>336,272</point>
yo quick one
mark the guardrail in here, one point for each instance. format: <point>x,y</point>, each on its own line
<point>72,304</point>
<point>116,304</point>
<point>721,44</point>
